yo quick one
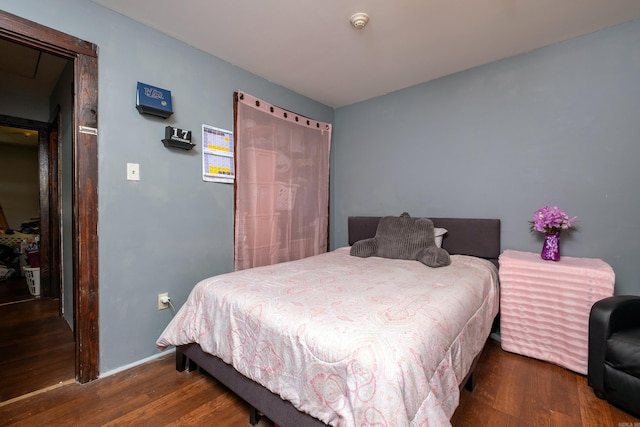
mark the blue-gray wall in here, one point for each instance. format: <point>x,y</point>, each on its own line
<point>556,126</point>
<point>170,229</point>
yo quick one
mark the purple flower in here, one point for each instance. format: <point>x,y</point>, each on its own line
<point>551,219</point>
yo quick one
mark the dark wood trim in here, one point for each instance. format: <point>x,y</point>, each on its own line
<point>44,170</point>
<point>55,209</point>
<point>235,168</point>
<point>85,172</point>
<point>38,36</point>
<point>18,122</point>
<point>85,218</point>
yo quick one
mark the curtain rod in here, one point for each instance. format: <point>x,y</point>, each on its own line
<point>252,101</point>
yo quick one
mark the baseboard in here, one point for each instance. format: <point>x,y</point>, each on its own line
<point>139,362</point>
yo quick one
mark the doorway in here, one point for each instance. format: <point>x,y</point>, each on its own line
<point>84,196</point>
<point>36,318</point>
<point>30,195</point>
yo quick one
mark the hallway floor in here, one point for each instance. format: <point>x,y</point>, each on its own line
<point>14,289</point>
<point>37,348</point>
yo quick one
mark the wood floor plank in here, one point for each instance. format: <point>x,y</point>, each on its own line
<point>594,412</point>
<point>170,406</point>
<point>512,379</point>
<point>513,390</point>
<point>14,289</point>
<point>37,348</point>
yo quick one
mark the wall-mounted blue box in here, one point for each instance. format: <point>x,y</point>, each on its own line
<point>153,100</point>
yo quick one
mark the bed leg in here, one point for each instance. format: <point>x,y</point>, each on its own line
<point>183,362</point>
<point>254,416</point>
<point>469,385</point>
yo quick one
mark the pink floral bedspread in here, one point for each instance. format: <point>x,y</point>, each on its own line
<point>351,341</point>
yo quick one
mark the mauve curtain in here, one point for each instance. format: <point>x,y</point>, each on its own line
<point>282,184</point>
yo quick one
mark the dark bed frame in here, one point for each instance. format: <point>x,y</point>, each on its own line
<point>466,236</point>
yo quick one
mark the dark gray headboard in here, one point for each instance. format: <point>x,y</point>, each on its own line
<point>466,236</point>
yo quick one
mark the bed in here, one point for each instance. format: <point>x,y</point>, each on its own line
<point>372,366</point>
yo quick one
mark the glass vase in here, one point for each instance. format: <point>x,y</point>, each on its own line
<point>551,247</point>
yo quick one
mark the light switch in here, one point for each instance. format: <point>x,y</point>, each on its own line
<point>133,172</point>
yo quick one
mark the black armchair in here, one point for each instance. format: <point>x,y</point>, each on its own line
<point>614,351</point>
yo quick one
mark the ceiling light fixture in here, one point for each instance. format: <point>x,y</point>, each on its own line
<point>359,20</point>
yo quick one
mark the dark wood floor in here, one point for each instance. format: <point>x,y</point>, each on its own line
<point>37,349</point>
<point>14,289</point>
<point>514,390</point>
<point>511,390</point>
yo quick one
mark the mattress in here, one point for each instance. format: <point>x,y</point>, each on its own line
<point>350,341</point>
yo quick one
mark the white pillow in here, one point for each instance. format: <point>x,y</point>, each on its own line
<point>438,233</point>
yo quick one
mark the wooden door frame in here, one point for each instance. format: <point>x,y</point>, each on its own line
<point>85,173</point>
<point>51,195</point>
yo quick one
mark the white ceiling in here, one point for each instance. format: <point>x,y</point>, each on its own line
<point>310,47</point>
<point>28,71</point>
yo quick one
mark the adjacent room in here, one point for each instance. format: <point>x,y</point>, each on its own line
<point>152,152</point>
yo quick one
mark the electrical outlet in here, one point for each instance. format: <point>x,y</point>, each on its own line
<point>163,305</point>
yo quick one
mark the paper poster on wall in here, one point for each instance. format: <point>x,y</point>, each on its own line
<point>217,155</point>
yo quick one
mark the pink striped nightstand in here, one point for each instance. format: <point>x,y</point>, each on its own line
<point>545,305</point>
